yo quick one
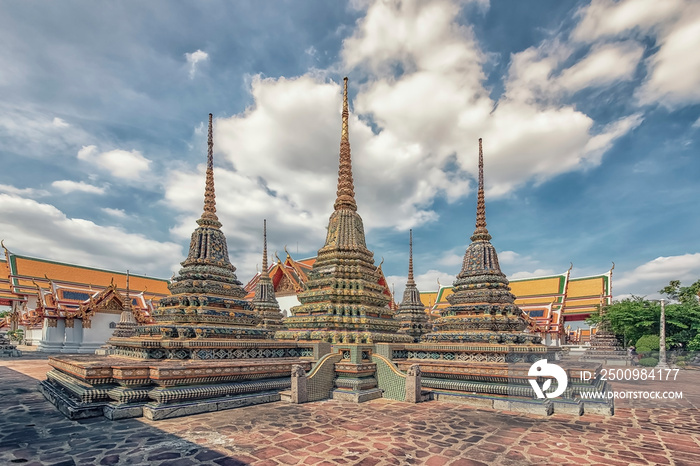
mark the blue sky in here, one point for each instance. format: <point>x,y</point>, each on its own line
<point>590,114</point>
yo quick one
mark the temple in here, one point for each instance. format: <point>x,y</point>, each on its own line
<point>206,348</point>
<point>482,347</point>
<point>482,308</point>
<point>289,277</point>
<point>556,304</point>
<point>70,308</point>
<point>343,301</point>
<point>411,312</point>
<point>264,301</point>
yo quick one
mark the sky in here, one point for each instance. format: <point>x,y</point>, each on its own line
<point>589,114</point>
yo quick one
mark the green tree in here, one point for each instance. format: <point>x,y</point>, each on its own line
<point>631,318</point>
<point>635,317</point>
<point>682,317</point>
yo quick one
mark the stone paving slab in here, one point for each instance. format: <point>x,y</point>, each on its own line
<point>379,432</point>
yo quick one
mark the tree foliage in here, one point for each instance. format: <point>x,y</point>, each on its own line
<point>635,317</point>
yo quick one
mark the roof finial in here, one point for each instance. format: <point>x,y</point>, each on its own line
<point>264,262</point>
<point>480,232</point>
<point>209,217</point>
<point>346,189</point>
<point>410,258</point>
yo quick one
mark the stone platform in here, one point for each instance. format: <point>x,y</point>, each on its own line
<point>496,376</point>
<point>377,433</point>
<point>83,386</point>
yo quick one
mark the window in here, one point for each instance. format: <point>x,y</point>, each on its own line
<point>76,295</point>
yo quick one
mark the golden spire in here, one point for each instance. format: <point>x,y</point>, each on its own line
<point>480,232</point>
<point>410,258</point>
<point>346,190</point>
<point>264,261</point>
<point>209,215</point>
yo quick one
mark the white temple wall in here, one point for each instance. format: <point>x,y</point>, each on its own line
<point>98,333</point>
<point>32,336</point>
<point>73,337</point>
<point>52,337</point>
<point>286,303</point>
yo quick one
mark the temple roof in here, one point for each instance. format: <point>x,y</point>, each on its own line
<point>295,271</point>
<point>61,289</point>
<point>23,271</point>
<point>5,288</point>
<point>578,296</point>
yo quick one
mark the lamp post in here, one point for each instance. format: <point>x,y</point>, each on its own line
<point>662,338</point>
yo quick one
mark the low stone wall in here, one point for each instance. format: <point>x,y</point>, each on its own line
<point>320,380</point>
<point>390,379</point>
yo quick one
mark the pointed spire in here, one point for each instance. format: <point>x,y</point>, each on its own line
<point>128,296</point>
<point>264,261</point>
<point>209,217</point>
<point>346,189</point>
<point>410,258</point>
<point>480,232</point>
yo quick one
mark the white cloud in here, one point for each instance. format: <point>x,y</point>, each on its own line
<point>607,18</point>
<point>673,70</point>
<point>120,163</point>
<point>427,281</point>
<point>194,58</point>
<point>605,64</point>
<point>278,159</point>
<point>28,192</point>
<point>534,273</point>
<point>525,265</point>
<point>60,123</point>
<point>118,213</point>
<point>648,278</point>
<point>30,133</point>
<point>68,186</point>
<point>42,230</point>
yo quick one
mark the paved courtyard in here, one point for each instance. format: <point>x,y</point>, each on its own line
<point>379,432</point>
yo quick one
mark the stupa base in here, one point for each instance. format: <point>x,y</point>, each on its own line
<point>119,387</point>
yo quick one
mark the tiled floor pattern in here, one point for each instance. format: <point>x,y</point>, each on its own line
<point>379,432</point>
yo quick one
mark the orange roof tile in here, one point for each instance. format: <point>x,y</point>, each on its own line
<point>26,269</point>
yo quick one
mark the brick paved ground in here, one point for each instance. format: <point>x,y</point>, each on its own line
<point>380,432</point>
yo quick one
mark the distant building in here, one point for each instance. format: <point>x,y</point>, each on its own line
<point>552,302</point>
<point>289,277</point>
<point>70,308</point>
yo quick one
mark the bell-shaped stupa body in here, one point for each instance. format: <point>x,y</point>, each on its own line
<point>482,308</point>
<point>344,301</point>
<point>411,313</point>
<point>207,298</point>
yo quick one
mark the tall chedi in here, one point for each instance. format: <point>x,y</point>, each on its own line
<point>207,298</point>
<point>411,314</point>
<point>344,302</point>
<point>264,301</point>
<point>482,308</point>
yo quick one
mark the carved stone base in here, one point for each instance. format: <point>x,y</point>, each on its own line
<point>520,405</point>
<point>158,412</point>
<point>356,396</point>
